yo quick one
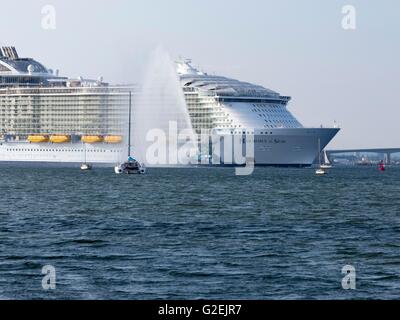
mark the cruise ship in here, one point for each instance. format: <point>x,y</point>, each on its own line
<point>228,107</point>
<point>47,118</point>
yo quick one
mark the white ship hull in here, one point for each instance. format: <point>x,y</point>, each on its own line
<point>280,147</point>
<point>60,153</point>
<point>287,147</point>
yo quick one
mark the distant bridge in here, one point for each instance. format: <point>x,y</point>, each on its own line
<point>387,151</point>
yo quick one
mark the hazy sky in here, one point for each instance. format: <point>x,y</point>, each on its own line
<point>297,48</point>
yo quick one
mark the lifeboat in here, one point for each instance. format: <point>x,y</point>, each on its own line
<point>38,139</point>
<point>92,139</point>
<point>113,139</point>
<point>60,139</point>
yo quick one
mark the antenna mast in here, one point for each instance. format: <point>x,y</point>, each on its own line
<point>129,125</point>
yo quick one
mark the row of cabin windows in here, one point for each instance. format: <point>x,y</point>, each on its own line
<point>61,150</point>
<point>248,132</point>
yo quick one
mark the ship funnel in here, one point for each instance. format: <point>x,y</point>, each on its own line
<point>9,52</point>
<point>4,51</point>
<point>14,53</point>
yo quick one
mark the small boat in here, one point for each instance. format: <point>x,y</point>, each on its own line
<point>92,139</point>
<point>60,139</point>
<point>132,166</point>
<point>327,164</point>
<point>321,170</point>
<point>38,138</point>
<point>86,166</point>
<point>113,139</point>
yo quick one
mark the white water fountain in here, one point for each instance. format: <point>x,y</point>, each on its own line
<point>159,113</point>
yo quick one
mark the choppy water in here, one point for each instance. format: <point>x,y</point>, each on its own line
<point>199,233</point>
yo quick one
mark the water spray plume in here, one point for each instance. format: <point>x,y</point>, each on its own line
<point>160,102</point>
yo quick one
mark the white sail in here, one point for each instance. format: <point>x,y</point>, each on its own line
<point>326,159</point>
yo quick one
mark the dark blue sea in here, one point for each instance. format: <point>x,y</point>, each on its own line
<point>199,233</point>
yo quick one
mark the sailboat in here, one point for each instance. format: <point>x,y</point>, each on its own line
<point>320,171</point>
<point>85,166</point>
<point>327,164</point>
<point>131,166</point>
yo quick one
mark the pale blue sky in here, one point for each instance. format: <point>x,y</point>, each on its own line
<point>297,48</point>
